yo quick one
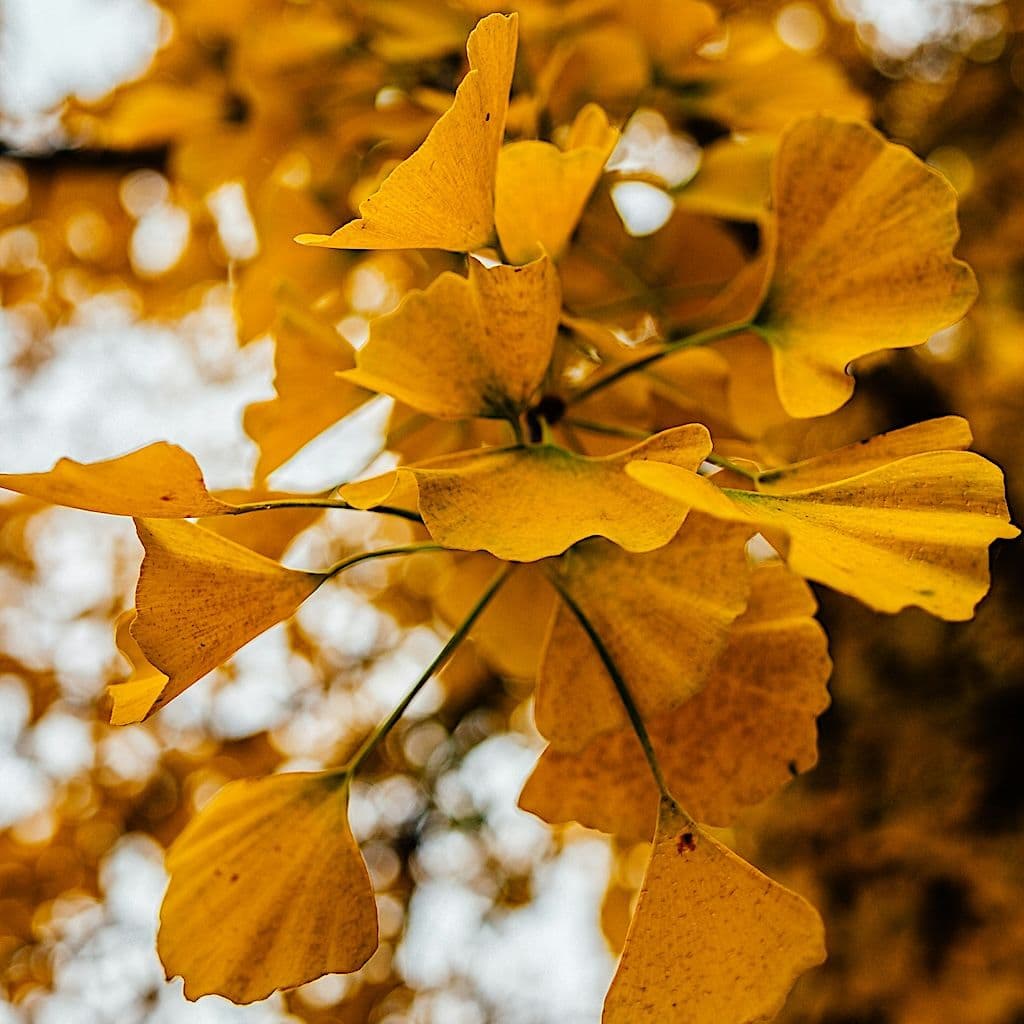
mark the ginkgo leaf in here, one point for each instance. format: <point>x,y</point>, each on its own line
<point>509,635</point>
<point>913,532</point>
<point>526,503</point>
<point>156,482</point>
<point>310,396</point>
<point>201,597</point>
<point>862,239</point>
<point>663,616</point>
<point>540,191</point>
<point>467,346</point>
<point>743,736</point>
<point>132,699</point>
<point>734,179</point>
<point>945,434</point>
<point>442,197</point>
<point>268,890</point>
<point>712,941</point>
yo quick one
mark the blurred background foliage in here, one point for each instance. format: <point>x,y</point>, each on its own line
<point>161,214</point>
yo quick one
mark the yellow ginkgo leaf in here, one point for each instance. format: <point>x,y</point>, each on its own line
<point>467,346</point>
<point>310,397</point>
<point>734,179</point>
<point>913,532</point>
<point>268,890</point>
<point>509,635</point>
<point>944,434</point>
<point>755,82</point>
<point>712,941</point>
<point>862,239</point>
<point>663,617</point>
<point>132,699</point>
<point>530,502</point>
<point>201,597</point>
<point>743,736</point>
<point>442,197</point>
<point>540,191</point>
<point>156,482</point>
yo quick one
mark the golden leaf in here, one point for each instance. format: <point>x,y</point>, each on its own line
<point>310,397</point>
<point>268,890</point>
<point>132,699</point>
<point>526,503</point>
<point>156,482</point>
<point>945,433</point>
<point>442,197</point>
<point>743,736</point>
<point>540,191</point>
<point>912,532</point>
<point>862,239</point>
<point>200,598</point>
<point>712,941</point>
<point>466,346</point>
<point>663,616</point>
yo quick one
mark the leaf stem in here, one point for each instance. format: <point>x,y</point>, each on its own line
<point>610,429</point>
<point>367,556</point>
<point>316,502</point>
<point>733,467</point>
<point>688,341</point>
<point>380,733</point>
<point>620,685</point>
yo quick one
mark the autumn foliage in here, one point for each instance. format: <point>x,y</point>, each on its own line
<point>619,459</point>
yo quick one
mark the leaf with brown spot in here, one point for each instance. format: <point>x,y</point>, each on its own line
<point>201,598</point>
<point>268,890</point>
<point>712,941</point>
<point>155,482</point>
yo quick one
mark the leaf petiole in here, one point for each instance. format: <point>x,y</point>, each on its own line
<point>734,467</point>
<point>318,502</point>
<point>689,341</point>
<point>623,689</point>
<point>380,733</point>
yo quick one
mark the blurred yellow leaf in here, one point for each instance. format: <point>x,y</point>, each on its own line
<point>663,616</point>
<point>913,532</point>
<point>309,354</point>
<point>526,503</point>
<point>540,191</point>
<point>749,729</point>
<point>734,179</point>
<point>201,597</point>
<point>712,941</point>
<point>442,197</point>
<point>268,890</point>
<point>466,346</point>
<point>862,239</point>
<point>158,481</point>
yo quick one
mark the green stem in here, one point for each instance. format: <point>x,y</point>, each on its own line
<point>367,556</point>
<point>610,429</point>
<point>724,463</point>
<point>380,733</point>
<point>314,502</point>
<point>620,685</point>
<point>689,341</point>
